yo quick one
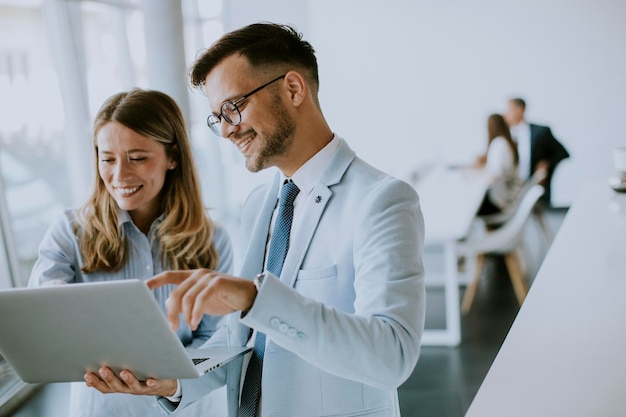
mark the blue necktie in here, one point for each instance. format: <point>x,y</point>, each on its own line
<point>279,244</point>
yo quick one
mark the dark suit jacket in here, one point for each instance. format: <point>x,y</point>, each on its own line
<point>544,146</point>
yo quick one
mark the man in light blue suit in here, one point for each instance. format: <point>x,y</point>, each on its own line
<point>343,320</point>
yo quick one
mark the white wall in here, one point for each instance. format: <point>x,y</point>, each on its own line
<point>409,81</point>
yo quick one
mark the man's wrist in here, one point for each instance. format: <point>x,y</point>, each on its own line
<point>258,281</point>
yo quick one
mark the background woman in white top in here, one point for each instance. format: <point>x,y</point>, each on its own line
<point>500,162</point>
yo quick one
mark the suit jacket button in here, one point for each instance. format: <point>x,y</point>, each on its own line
<point>275,322</point>
<point>283,327</point>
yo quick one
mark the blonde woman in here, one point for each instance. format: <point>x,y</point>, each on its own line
<point>145,215</point>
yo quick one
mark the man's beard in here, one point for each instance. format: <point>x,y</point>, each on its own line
<point>276,143</point>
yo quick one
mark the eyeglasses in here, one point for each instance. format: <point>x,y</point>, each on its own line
<point>230,111</point>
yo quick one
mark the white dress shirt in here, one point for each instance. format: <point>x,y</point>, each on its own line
<point>521,135</point>
<point>305,179</point>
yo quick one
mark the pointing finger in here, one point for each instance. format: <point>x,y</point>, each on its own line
<point>173,310</point>
<point>168,277</point>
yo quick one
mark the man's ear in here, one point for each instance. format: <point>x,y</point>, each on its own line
<point>296,86</point>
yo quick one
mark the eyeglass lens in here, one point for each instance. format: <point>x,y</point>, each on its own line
<point>230,112</point>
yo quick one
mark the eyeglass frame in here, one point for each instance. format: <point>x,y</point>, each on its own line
<point>219,117</point>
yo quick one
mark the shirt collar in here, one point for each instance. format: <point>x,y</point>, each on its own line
<point>124,217</point>
<point>522,125</point>
<point>307,175</point>
<point>520,128</point>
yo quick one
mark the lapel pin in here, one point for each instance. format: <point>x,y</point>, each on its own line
<point>318,199</point>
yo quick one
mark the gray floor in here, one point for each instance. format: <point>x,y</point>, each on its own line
<point>445,379</point>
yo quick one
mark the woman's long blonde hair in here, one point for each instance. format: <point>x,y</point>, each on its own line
<point>185,234</point>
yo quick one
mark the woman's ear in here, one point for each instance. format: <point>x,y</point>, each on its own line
<point>172,157</point>
<point>296,86</point>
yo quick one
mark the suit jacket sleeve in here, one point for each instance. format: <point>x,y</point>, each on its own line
<point>548,148</point>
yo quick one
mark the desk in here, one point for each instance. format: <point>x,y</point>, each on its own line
<point>564,354</point>
<point>449,200</point>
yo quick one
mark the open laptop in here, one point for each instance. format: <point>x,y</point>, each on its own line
<point>57,333</point>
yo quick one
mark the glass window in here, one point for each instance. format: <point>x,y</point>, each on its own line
<point>224,178</point>
<point>54,76</point>
<point>114,50</point>
<point>32,162</point>
<point>59,60</point>
<point>9,383</point>
<point>33,174</point>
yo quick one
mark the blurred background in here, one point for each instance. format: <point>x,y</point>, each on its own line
<point>406,83</point>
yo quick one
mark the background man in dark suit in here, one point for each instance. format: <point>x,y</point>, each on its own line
<point>539,151</point>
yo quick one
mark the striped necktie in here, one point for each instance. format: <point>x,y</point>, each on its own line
<point>279,245</point>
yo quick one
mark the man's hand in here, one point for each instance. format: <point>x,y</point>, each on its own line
<point>203,291</point>
<point>107,382</point>
<point>541,172</point>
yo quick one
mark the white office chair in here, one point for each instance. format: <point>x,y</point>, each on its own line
<point>497,219</point>
<point>505,240</point>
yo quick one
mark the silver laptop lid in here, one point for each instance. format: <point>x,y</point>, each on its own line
<point>56,333</point>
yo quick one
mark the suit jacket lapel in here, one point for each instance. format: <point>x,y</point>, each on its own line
<point>254,258</point>
<point>315,204</point>
<point>532,160</point>
<point>314,207</point>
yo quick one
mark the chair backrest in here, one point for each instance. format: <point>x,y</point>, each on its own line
<point>507,236</point>
<point>525,207</point>
<point>511,209</point>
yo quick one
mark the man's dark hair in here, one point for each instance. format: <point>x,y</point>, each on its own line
<point>519,102</point>
<point>263,45</point>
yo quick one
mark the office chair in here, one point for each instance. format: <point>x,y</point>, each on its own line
<point>494,221</point>
<point>505,240</point>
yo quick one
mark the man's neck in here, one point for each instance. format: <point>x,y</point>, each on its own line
<point>299,155</point>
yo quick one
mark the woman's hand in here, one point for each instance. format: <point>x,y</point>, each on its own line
<point>480,161</point>
<point>107,382</point>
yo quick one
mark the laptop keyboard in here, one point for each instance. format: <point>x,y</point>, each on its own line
<point>199,360</point>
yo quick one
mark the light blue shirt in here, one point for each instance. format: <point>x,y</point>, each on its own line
<point>60,259</point>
